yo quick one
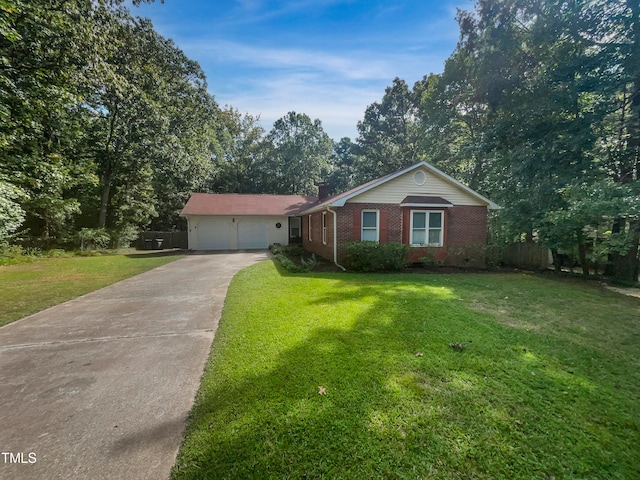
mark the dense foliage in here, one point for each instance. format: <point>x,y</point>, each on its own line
<point>104,124</point>
<point>370,256</point>
<point>538,108</point>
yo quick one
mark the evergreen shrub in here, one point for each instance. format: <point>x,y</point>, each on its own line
<point>370,256</point>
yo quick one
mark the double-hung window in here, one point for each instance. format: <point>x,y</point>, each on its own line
<point>370,225</point>
<point>427,228</point>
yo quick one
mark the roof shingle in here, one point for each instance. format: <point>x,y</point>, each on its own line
<point>246,204</point>
<point>421,200</point>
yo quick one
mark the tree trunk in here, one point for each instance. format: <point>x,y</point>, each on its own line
<point>107,178</point>
<point>626,266</point>
<point>557,265</point>
<point>582,253</point>
<point>104,200</point>
<point>612,258</point>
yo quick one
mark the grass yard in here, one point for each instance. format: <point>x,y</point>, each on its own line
<point>353,376</point>
<point>31,287</point>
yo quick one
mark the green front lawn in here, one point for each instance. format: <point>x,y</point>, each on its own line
<point>27,288</point>
<point>354,376</point>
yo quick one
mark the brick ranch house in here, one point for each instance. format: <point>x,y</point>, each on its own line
<point>418,205</point>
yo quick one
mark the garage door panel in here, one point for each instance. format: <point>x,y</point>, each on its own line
<point>214,234</point>
<point>253,233</point>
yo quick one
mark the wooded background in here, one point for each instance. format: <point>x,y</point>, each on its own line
<point>107,127</point>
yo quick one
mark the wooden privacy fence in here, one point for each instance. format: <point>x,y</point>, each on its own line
<point>526,255</point>
<point>162,240</point>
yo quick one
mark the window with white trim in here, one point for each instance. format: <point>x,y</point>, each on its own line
<point>427,228</point>
<point>309,226</point>
<point>370,225</point>
<point>324,227</point>
<point>295,227</point>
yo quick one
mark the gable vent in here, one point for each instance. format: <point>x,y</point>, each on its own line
<point>420,178</point>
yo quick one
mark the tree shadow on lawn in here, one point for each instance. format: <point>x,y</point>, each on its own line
<point>503,407</point>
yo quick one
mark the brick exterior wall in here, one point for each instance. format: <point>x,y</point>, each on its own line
<point>315,245</point>
<point>463,225</point>
<point>467,226</point>
<point>349,218</point>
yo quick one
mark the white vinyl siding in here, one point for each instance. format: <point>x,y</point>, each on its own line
<point>394,191</point>
<point>370,225</point>
<point>427,228</point>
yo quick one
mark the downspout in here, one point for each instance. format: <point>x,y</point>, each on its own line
<point>335,239</point>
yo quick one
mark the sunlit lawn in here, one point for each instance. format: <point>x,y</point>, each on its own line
<point>26,288</point>
<point>547,383</point>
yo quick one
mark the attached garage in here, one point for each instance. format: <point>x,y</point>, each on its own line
<point>253,233</point>
<point>214,234</point>
<point>243,222</point>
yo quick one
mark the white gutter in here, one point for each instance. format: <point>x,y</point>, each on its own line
<point>335,239</point>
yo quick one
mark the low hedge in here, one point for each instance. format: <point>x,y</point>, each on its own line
<point>286,254</point>
<point>369,256</point>
<point>289,264</point>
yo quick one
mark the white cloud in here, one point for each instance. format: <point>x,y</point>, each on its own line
<point>337,104</point>
<point>353,65</point>
<point>336,88</point>
<point>333,77</point>
<point>252,12</point>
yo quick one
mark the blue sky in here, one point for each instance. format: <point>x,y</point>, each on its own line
<point>326,58</point>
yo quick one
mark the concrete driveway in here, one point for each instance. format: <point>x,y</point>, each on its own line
<point>100,387</point>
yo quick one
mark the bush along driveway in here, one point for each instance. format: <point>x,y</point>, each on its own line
<point>418,376</point>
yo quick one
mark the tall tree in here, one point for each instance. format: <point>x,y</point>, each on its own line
<point>388,136</point>
<point>12,215</point>
<point>343,164</point>
<point>103,121</point>
<point>298,156</point>
<point>43,49</point>
<point>153,126</point>
<point>618,38</point>
<point>239,164</point>
<point>550,73</point>
<point>452,121</point>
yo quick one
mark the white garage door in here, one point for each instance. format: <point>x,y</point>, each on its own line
<point>214,234</point>
<point>253,234</point>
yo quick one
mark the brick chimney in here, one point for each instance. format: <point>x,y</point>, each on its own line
<point>323,190</point>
